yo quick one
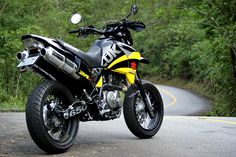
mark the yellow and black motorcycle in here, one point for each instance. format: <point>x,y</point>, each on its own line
<point>88,86</point>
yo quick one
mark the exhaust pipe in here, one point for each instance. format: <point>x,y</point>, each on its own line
<point>60,61</point>
<point>22,55</point>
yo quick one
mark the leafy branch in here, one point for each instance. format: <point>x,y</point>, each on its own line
<point>3,7</point>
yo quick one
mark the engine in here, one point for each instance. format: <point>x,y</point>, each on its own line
<point>112,98</point>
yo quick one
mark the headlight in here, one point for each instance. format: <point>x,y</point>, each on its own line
<point>32,44</point>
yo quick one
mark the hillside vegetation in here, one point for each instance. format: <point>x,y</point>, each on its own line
<point>188,39</point>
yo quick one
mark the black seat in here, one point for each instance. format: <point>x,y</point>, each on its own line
<point>93,57</point>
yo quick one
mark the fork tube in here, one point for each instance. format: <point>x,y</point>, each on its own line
<point>138,82</point>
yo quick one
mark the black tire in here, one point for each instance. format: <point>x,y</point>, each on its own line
<point>36,113</point>
<point>130,110</point>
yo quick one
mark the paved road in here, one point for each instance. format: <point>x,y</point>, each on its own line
<point>179,102</point>
<point>179,136</point>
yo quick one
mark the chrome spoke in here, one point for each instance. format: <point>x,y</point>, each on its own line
<point>56,134</point>
<point>57,127</point>
<point>142,115</point>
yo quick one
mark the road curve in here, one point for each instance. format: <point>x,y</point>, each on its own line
<point>179,102</point>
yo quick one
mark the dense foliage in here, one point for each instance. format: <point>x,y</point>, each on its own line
<point>190,39</point>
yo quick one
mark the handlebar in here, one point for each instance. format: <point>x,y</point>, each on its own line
<point>108,30</point>
<point>84,31</point>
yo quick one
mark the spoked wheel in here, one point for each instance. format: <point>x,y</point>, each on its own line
<point>136,115</point>
<point>142,115</point>
<point>51,132</point>
<point>58,128</point>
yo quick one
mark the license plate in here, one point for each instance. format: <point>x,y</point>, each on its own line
<point>28,61</point>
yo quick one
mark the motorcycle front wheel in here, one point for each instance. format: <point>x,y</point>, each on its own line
<point>136,115</point>
<point>50,132</point>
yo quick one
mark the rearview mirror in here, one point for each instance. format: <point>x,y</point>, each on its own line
<point>76,18</point>
<point>134,9</point>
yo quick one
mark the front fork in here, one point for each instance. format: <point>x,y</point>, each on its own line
<point>146,100</point>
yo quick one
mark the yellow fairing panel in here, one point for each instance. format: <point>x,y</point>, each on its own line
<point>130,78</point>
<point>99,84</point>
<point>133,55</point>
<point>118,60</point>
<point>128,72</point>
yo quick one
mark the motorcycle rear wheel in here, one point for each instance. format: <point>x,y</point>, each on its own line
<point>136,115</point>
<point>51,133</point>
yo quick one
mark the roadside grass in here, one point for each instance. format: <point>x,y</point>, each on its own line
<point>220,102</point>
<point>13,104</point>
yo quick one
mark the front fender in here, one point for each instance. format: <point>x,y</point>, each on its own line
<point>144,60</point>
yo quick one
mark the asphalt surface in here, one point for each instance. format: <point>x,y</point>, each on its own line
<point>179,102</point>
<point>179,136</point>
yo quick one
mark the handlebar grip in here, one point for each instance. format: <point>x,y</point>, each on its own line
<point>128,22</point>
<point>74,31</point>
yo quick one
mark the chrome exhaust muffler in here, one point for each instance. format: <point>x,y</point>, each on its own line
<point>60,61</point>
<point>22,55</point>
